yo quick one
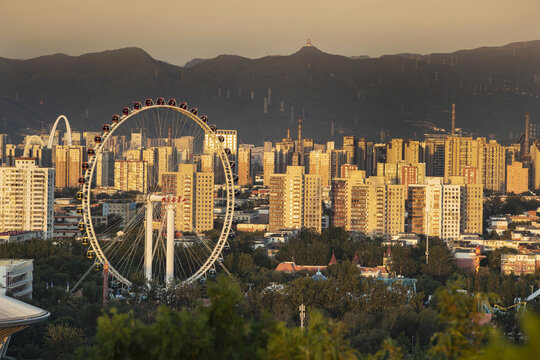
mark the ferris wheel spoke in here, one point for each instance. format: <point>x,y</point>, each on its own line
<point>132,254</point>
<point>121,244</point>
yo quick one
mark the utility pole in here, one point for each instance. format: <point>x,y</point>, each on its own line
<point>302,309</point>
<point>105,283</point>
<point>427,234</point>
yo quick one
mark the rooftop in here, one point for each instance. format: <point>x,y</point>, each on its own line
<point>15,313</point>
<point>4,262</point>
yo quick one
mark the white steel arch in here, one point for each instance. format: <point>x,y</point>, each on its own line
<point>68,131</point>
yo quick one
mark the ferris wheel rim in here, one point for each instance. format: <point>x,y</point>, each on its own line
<point>87,189</point>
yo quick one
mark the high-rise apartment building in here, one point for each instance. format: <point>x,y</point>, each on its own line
<point>517,178</point>
<point>368,206</point>
<point>394,152</point>
<point>434,154</point>
<point>244,166</point>
<point>463,152</point>
<point>424,208</point>
<point>89,138</point>
<point>151,157</point>
<point>349,145</point>
<point>105,169</point>
<point>68,165</point>
<point>138,140</point>
<point>364,155</point>
<point>402,173</point>
<point>295,200</point>
<point>230,141</point>
<point>131,176</point>
<point>451,212</point>
<point>166,160</point>
<point>269,166</point>
<point>337,158</point>
<point>3,143</point>
<point>495,166</point>
<point>412,152</point>
<point>412,174</point>
<point>472,209</point>
<point>320,164</point>
<point>347,168</point>
<point>185,143</point>
<point>27,197</point>
<point>471,176</point>
<point>195,210</point>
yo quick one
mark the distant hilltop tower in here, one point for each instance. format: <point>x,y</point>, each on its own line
<point>299,129</point>
<point>308,43</point>
<point>453,119</point>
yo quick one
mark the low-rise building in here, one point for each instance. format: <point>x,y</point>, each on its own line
<point>519,264</point>
<point>403,239</point>
<point>16,277</point>
<point>499,224</point>
<point>16,236</point>
<point>251,227</point>
<point>125,209</point>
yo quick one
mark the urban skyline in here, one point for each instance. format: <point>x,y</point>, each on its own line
<point>285,180</point>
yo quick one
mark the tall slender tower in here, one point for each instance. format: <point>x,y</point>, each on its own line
<point>300,145</point>
<point>526,144</point>
<point>453,119</point>
<point>299,129</point>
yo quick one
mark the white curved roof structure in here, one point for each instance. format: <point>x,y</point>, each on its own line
<point>32,140</point>
<point>16,315</point>
<point>68,131</point>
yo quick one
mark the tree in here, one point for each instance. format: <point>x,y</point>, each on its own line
<point>463,333</point>
<point>322,339</point>
<point>441,261</point>
<point>62,340</point>
<point>207,332</point>
<point>500,348</point>
<point>402,261</point>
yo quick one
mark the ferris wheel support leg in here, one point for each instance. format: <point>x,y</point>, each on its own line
<point>169,261</point>
<point>148,241</point>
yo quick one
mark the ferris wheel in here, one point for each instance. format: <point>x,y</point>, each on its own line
<point>168,235</point>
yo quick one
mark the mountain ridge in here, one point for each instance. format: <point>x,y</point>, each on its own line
<point>407,94</point>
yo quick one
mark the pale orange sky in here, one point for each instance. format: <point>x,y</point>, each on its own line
<point>177,31</point>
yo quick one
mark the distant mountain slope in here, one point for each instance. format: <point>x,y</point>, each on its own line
<point>404,95</point>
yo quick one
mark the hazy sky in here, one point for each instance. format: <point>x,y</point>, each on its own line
<point>177,31</point>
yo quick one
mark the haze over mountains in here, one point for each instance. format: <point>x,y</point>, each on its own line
<point>403,95</point>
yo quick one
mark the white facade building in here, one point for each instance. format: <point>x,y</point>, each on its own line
<point>27,197</point>
<point>16,277</point>
<point>230,141</point>
<point>451,211</point>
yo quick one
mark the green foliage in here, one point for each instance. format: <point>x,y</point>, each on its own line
<point>389,351</point>
<point>214,331</point>
<point>460,312</point>
<point>514,205</point>
<point>310,248</point>
<point>62,340</point>
<point>322,339</point>
<point>500,348</point>
<point>403,262</point>
<point>217,331</point>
